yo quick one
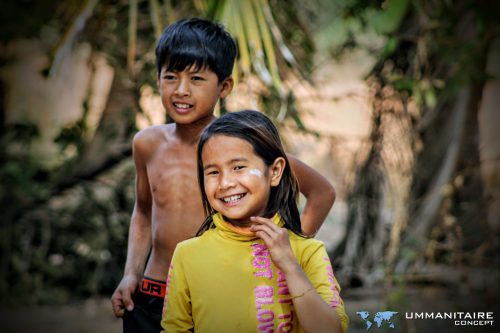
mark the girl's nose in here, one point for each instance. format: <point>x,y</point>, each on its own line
<point>226,181</point>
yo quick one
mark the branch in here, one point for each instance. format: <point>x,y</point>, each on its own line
<point>76,27</point>
<point>428,211</point>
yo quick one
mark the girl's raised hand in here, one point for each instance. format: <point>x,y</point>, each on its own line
<point>277,241</point>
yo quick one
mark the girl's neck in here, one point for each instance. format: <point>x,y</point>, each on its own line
<point>240,224</point>
<point>243,230</point>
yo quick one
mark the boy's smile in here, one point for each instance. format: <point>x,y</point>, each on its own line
<point>182,108</point>
<point>232,188</point>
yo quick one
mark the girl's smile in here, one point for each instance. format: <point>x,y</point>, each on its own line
<point>232,200</point>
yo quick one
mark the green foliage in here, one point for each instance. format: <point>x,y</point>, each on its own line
<point>72,135</point>
<point>53,248</point>
<point>73,246</point>
<point>389,18</point>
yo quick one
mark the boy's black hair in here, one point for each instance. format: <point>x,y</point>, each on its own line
<point>199,43</point>
<point>260,132</point>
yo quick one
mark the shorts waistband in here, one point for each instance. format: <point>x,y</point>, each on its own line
<point>153,287</point>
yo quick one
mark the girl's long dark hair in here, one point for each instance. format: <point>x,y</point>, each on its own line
<point>259,131</point>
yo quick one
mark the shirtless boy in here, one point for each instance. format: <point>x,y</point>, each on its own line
<point>194,59</point>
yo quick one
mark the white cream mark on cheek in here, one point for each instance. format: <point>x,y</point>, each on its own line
<point>255,172</point>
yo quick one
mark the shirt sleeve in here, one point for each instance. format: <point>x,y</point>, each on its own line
<point>177,312</point>
<point>318,269</point>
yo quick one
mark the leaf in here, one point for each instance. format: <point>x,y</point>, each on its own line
<point>390,47</point>
<point>430,97</point>
<point>268,42</point>
<point>255,42</point>
<point>389,18</point>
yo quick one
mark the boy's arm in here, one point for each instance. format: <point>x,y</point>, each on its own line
<point>319,193</point>
<point>139,237</point>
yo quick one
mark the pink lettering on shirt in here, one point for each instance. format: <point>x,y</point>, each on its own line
<point>286,319</point>
<point>263,291</point>
<point>335,301</point>
<point>282,286</point>
<point>262,261</point>
<point>169,277</point>
<point>285,327</point>
<point>267,328</point>
<point>264,294</point>
<point>265,315</point>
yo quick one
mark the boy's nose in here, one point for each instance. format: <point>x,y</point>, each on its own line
<point>182,89</point>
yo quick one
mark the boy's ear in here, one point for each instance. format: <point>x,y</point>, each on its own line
<point>277,171</point>
<point>226,86</point>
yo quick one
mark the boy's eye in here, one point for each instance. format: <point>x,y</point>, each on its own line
<point>212,173</point>
<point>169,77</point>
<point>197,78</point>
<point>239,167</point>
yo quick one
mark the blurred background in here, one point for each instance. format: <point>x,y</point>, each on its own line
<point>396,102</point>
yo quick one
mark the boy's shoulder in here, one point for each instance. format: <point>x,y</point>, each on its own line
<point>150,137</point>
<point>154,132</point>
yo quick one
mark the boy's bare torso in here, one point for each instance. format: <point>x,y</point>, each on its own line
<point>176,206</point>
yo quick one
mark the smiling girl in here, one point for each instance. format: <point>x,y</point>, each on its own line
<point>257,271</point>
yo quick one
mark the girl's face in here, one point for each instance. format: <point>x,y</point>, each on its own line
<point>237,181</point>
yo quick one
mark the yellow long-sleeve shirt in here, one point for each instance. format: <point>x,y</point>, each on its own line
<point>225,282</point>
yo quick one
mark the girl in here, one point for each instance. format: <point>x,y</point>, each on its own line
<point>251,269</point>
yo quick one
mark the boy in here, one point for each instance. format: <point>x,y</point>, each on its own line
<point>194,59</point>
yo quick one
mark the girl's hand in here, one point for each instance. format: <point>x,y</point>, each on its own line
<point>277,241</point>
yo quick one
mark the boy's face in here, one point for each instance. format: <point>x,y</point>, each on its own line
<point>191,95</point>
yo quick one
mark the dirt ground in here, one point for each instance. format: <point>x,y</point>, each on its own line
<point>95,315</point>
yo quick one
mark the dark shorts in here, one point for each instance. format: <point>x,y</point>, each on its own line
<point>148,307</point>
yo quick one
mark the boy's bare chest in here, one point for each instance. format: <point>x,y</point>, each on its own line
<point>172,175</point>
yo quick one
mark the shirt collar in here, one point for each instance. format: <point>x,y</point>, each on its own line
<point>228,230</point>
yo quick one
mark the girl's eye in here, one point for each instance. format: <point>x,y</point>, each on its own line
<point>212,173</point>
<point>239,167</point>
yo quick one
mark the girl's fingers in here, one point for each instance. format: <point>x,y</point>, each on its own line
<point>264,236</point>
<point>276,236</point>
<point>262,229</point>
<point>263,221</point>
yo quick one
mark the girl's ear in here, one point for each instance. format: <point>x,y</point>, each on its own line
<point>276,170</point>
